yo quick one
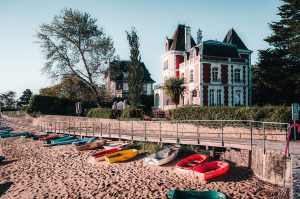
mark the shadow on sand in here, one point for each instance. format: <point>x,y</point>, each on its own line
<point>4,187</point>
<point>5,162</point>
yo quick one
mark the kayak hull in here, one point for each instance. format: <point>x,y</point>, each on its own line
<point>121,156</point>
<point>90,145</point>
<point>100,155</point>
<point>189,194</point>
<point>210,170</point>
<point>163,156</point>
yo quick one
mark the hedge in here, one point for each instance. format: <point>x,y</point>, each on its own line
<point>131,113</point>
<point>104,113</point>
<point>51,105</point>
<point>265,113</point>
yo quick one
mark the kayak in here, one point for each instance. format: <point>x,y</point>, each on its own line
<point>14,134</point>
<point>163,156</point>
<point>186,165</point>
<point>190,194</point>
<point>49,137</point>
<point>60,139</point>
<point>99,156</point>
<point>63,142</point>
<point>36,137</point>
<point>121,156</point>
<point>90,145</point>
<point>27,136</point>
<point>83,141</point>
<point>7,130</point>
<point>210,170</point>
<point>114,145</point>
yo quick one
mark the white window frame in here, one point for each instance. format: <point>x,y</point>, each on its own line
<point>236,96</point>
<point>213,74</point>
<point>239,75</point>
<point>211,101</point>
<point>219,97</point>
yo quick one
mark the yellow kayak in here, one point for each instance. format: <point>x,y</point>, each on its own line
<point>121,156</point>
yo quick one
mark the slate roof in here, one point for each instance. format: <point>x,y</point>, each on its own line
<point>233,38</point>
<point>117,68</point>
<point>178,40</point>
<point>219,49</point>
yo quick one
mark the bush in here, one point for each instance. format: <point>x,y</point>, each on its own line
<point>104,113</point>
<point>265,113</point>
<point>131,113</point>
<point>51,105</point>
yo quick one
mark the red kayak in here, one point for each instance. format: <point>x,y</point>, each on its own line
<point>99,156</point>
<point>50,137</point>
<point>210,170</point>
<point>188,163</point>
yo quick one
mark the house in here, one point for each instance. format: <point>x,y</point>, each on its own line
<point>215,73</point>
<point>117,79</point>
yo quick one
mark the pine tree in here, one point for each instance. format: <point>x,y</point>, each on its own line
<point>24,99</point>
<point>276,78</point>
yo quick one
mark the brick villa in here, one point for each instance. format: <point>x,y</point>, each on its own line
<point>216,73</point>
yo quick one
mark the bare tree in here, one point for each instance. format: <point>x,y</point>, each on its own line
<point>73,44</point>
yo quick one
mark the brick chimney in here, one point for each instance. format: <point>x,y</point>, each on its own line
<point>187,38</point>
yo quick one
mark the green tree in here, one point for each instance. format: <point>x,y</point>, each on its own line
<point>135,70</point>
<point>24,99</point>
<point>175,88</point>
<point>276,78</point>
<point>73,44</point>
<point>8,99</point>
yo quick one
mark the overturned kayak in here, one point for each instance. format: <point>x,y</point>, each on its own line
<point>114,145</point>
<point>60,139</point>
<point>63,142</point>
<point>27,136</point>
<point>90,145</point>
<point>187,164</point>
<point>49,137</point>
<point>6,130</point>
<point>99,156</point>
<point>190,194</point>
<point>121,156</point>
<point>163,156</point>
<point>210,170</point>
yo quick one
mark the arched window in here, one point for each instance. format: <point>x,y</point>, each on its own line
<point>215,74</point>
<point>237,75</point>
<point>156,100</point>
<point>191,76</point>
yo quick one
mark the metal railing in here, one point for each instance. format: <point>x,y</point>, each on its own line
<point>218,133</point>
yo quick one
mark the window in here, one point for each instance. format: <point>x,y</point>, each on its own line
<point>165,65</point>
<point>125,75</point>
<point>215,74</point>
<point>192,99</point>
<point>156,100</point>
<point>219,97</point>
<point>119,86</point>
<point>191,76</point>
<point>238,98</point>
<point>211,97</point>
<point>182,75</point>
<point>145,88</point>
<point>237,75</point>
<point>125,86</point>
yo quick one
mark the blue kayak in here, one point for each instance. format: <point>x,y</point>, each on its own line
<point>72,141</point>
<point>6,130</point>
<point>83,141</point>
<point>64,138</point>
<point>14,134</point>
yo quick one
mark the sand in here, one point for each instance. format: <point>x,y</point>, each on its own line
<point>34,171</point>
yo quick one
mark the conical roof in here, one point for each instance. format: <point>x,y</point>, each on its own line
<point>178,39</point>
<point>233,38</point>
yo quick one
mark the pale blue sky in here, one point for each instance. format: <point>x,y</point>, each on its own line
<point>21,60</point>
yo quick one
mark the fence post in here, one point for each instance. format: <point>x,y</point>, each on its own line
<point>80,130</point>
<point>198,134</point>
<point>251,140</point>
<point>264,140</point>
<point>222,133</point>
<point>119,129</point>
<point>55,126</point>
<point>132,131</point>
<point>86,128</point>
<point>93,129</point>
<point>74,128</point>
<point>177,136</point>
<point>160,138</point>
<point>69,128</point>
<point>109,129</point>
<point>145,138</point>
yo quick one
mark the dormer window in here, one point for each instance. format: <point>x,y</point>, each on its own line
<point>191,76</point>
<point>215,74</point>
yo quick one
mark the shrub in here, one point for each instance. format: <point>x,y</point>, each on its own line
<point>104,113</point>
<point>131,113</point>
<point>265,113</point>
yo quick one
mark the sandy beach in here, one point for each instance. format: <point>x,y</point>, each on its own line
<point>34,171</point>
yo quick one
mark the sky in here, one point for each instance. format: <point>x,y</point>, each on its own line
<point>21,59</point>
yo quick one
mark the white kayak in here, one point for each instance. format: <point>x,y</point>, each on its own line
<point>163,156</point>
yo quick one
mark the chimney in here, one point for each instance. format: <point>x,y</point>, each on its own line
<point>187,38</point>
<point>199,36</point>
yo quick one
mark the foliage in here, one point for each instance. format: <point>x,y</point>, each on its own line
<point>70,87</point>
<point>104,113</point>
<point>50,105</point>
<point>73,44</point>
<point>276,77</point>
<point>8,99</point>
<point>25,98</point>
<point>135,71</point>
<point>265,113</point>
<point>148,102</point>
<point>146,146</point>
<point>131,112</point>
<point>175,88</point>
